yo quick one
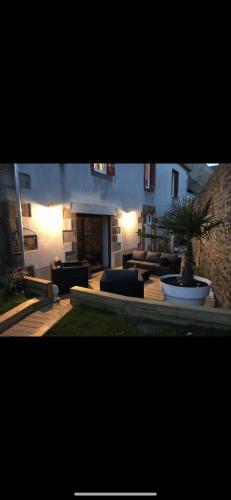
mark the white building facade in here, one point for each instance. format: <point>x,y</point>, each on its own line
<point>94,211</point>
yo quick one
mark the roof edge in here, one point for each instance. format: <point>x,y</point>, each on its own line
<point>185,167</point>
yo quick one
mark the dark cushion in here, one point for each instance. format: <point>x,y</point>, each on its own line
<point>121,275</point>
<point>153,257</point>
<point>138,255</point>
<point>72,263</point>
<point>148,265</point>
<point>67,277</point>
<point>58,263</point>
<point>132,262</point>
<point>141,264</point>
<point>164,261</point>
<point>160,270</point>
<point>171,257</point>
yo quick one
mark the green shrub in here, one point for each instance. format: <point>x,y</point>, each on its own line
<point>16,280</point>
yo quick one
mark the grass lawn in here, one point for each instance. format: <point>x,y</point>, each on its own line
<point>7,301</point>
<point>85,321</point>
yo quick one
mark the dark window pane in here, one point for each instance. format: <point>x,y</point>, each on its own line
<point>175,183</point>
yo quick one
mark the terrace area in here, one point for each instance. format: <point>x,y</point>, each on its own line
<point>152,288</point>
<point>98,313</point>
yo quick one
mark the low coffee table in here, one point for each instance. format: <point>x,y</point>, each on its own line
<point>142,273</point>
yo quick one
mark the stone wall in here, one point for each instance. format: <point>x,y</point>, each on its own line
<point>200,173</point>
<point>215,254</point>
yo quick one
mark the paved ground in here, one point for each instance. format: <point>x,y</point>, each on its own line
<point>39,322</point>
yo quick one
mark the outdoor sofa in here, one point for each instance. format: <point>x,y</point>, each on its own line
<point>70,274</point>
<point>158,263</point>
<point>122,282</point>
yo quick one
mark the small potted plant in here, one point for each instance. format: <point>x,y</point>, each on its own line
<point>192,222</point>
<point>15,280</point>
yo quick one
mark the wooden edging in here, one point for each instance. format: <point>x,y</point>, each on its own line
<point>153,309</point>
<point>19,312</point>
<point>39,286</point>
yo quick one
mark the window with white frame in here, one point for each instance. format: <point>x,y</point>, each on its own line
<point>106,170</point>
<point>101,168</point>
<point>147,179</point>
<point>149,176</point>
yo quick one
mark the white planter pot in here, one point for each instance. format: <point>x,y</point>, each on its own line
<point>55,293</point>
<point>185,295</point>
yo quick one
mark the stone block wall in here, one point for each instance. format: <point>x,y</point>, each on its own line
<point>215,254</point>
<point>199,175</point>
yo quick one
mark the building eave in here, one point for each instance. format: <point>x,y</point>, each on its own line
<point>185,167</point>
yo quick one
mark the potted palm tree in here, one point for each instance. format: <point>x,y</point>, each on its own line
<point>192,222</point>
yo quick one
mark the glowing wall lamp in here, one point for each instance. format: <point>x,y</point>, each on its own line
<point>49,218</point>
<point>129,220</point>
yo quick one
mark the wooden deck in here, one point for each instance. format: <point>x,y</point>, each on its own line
<point>151,288</point>
<point>39,322</point>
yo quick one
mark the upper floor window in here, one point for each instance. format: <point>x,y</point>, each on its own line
<point>149,176</point>
<point>106,170</point>
<point>175,183</point>
<point>101,168</point>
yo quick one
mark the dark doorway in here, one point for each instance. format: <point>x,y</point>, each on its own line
<point>93,240</point>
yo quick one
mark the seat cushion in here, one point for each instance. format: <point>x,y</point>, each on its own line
<point>164,261</point>
<point>138,255</point>
<point>137,263</point>
<point>142,264</point>
<point>123,275</point>
<point>161,270</point>
<point>148,265</point>
<point>170,256</point>
<point>72,263</point>
<point>153,257</point>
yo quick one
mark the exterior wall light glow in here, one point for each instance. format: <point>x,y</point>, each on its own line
<point>48,219</point>
<point>129,221</point>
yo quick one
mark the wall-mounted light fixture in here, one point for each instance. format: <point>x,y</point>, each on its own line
<point>129,220</point>
<point>48,219</point>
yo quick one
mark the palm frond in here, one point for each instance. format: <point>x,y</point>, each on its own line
<point>188,218</point>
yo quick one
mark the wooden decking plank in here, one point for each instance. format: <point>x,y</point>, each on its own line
<point>20,332</point>
<point>29,324</point>
<point>39,322</point>
<point>34,323</point>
